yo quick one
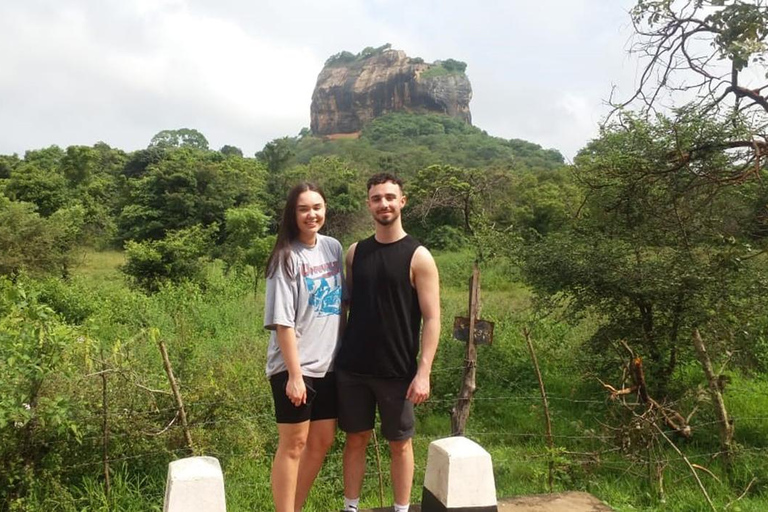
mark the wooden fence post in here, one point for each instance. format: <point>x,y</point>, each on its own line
<point>548,420</point>
<point>460,412</point>
<point>176,395</point>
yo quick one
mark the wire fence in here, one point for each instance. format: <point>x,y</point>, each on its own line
<point>603,439</point>
<point>151,435</point>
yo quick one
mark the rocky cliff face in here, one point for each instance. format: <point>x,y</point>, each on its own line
<point>350,94</point>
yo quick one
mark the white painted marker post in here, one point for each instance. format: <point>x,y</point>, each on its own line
<point>195,484</point>
<point>459,477</point>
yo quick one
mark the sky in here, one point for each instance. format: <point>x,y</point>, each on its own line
<point>242,72</point>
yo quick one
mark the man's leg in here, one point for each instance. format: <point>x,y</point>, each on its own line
<point>401,470</point>
<point>397,426</point>
<point>357,415</point>
<point>285,468</point>
<point>319,440</point>
<point>354,462</point>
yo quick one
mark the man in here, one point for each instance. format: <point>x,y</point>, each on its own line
<point>394,285</point>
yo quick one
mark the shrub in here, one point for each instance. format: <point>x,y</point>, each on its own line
<point>175,258</point>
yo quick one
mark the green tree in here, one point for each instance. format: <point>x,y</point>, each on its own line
<point>658,248</point>
<point>247,243</point>
<point>228,150</point>
<point>38,355</point>
<point>185,188</point>
<point>34,244</point>
<point>276,155</point>
<point>181,138</point>
<point>444,194</point>
<point>177,257</point>
<point>43,187</point>
<point>7,164</point>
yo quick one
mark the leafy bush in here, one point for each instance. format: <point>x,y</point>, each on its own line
<point>71,300</point>
<point>454,65</point>
<point>448,238</point>
<point>344,57</point>
<point>31,243</point>
<point>175,258</point>
<point>37,360</point>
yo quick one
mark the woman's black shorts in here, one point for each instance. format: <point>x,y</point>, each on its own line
<point>321,399</point>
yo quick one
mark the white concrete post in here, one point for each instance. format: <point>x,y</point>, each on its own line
<point>195,484</point>
<point>459,477</point>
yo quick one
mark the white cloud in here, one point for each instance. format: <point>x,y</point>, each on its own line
<point>243,72</point>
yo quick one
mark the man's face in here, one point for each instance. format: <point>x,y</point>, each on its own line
<point>385,201</point>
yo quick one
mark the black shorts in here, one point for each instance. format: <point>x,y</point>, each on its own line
<point>359,396</point>
<point>321,399</point>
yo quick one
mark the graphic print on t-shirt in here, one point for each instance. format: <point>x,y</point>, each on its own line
<point>324,286</point>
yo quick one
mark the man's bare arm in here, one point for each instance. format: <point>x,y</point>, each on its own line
<point>427,284</point>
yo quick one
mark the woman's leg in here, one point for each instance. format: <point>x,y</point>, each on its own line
<point>285,468</point>
<point>319,440</point>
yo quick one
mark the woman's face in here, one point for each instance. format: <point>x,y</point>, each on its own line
<point>310,215</point>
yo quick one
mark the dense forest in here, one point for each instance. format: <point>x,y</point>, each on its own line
<point>638,271</point>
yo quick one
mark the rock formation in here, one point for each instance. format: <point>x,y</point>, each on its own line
<point>352,90</point>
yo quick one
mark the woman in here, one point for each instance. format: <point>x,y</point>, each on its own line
<point>303,309</point>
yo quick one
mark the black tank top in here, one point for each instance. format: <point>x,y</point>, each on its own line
<point>382,334</point>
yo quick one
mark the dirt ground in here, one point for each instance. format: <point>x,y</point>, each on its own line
<point>560,502</point>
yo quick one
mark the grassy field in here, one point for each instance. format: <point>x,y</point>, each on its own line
<point>217,346</point>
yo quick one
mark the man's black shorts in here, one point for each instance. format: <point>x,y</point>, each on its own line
<point>360,395</point>
<point>321,399</point>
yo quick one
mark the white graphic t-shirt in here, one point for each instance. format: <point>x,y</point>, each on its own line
<point>310,303</point>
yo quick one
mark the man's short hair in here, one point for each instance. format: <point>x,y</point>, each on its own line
<point>384,177</point>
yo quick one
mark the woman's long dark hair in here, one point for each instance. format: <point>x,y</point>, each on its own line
<point>288,230</point>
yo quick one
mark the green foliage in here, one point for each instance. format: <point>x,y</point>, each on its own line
<point>541,202</point>
<point>345,58</point>
<point>228,150</point>
<point>246,240</point>
<point>46,159</point>
<point>276,154</point>
<point>37,361</point>
<point>181,138</point>
<point>34,244</point>
<point>185,188</point>
<point>454,65</point>
<point>658,248</point>
<point>447,140</point>
<point>177,257</point>
<point>446,238</point>
<point>443,68</point>
<point>340,59</point>
<point>450,195</point>
<point>47,189</point>
<point>69,299</point>
<point>7,164</point>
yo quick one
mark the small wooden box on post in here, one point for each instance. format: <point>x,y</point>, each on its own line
<point>474,331</point>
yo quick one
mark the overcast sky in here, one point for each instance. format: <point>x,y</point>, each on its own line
<point>242,72</point>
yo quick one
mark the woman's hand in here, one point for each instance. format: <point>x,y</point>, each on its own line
<point>296,390</point>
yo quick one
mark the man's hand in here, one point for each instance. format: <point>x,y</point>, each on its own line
<point>296,390</point>
<point>418,391</point>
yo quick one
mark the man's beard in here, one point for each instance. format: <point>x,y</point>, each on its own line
<point>386,222</point>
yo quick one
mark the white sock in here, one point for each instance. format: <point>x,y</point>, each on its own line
<point>352,504</point>
<point>402,508</point>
